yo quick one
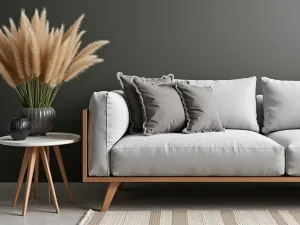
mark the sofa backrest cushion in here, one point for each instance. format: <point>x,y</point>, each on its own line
<point>281,104</point>
<point>236,101</point>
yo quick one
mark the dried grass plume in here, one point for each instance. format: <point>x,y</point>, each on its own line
<point>49,55</point>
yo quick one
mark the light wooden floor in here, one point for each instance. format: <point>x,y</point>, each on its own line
<point>144,197</point>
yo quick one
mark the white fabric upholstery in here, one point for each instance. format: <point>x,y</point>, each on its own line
<point>109,120</point>
<point>228,153</point>
<point>281,104</point>
<point>290,140</point>
<point>235,100</point>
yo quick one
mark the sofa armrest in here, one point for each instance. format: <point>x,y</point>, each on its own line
<point>108,122</point>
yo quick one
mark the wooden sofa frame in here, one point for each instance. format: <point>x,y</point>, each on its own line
<point>114,183</point>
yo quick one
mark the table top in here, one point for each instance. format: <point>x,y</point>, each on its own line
<point>51,139</point>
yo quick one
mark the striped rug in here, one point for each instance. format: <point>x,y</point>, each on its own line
<point>193,217</point>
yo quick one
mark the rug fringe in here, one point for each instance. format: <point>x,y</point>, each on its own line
<point>87,217</point>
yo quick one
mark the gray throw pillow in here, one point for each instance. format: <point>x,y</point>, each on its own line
<point>281,104</point>
<point>200,109</point>
<point>162,108</point>
<point>134,105</point>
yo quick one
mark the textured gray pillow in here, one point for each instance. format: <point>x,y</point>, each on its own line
<point>162,108</point>
<point>281,104</point>
<point>200,109</point>
<point>134,105</point>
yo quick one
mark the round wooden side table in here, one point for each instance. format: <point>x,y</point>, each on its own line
<point>35,146</point>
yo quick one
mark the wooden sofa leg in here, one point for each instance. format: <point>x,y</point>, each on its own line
<point>110,192</point>
<point>121,186</point>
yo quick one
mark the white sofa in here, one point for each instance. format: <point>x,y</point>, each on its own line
<point>113,155</point>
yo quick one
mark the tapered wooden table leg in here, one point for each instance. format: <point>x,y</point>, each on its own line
<point>63,171</point>
<point>49,177</point>
<point>31,166</point>
<point>22,174</point>
<point>36,175</point>
<point>48,157</point>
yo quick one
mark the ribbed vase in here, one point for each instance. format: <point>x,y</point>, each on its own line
<point>41,119</point>
<point>19,128</point>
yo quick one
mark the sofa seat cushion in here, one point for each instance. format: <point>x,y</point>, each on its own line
<point>228,153</point>
<point>290,140</point>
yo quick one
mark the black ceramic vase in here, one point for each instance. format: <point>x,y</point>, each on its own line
<point>19,128</point>
<point>41,119</point>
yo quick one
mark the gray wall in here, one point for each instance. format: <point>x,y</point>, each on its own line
<point>211,39</point>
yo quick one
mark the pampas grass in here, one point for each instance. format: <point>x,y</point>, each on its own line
<point>36,60</point>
